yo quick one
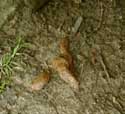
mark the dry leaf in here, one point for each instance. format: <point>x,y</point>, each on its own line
<point>40,81</point>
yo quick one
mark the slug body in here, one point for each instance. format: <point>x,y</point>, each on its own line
<point>64,51</point>
<point>62,67</point>
<point>40,81</point>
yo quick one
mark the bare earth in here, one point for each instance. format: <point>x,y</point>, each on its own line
<point>98,49</point>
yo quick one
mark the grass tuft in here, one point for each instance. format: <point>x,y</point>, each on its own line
<point>6,66</point>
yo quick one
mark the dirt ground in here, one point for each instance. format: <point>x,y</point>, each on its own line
<point>98,49</point>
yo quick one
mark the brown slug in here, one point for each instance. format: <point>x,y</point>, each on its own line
<point>40,81</point>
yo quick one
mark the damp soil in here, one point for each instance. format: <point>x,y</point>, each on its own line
<point>97,47</point>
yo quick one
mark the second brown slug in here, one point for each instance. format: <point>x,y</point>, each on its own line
<point>40,81</point>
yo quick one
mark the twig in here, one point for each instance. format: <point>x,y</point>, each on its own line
<point>99,25</point>
<point>104,67</point>
<point>51,102</point>
<point>105,70</point>
<point>101,18</point>
<point>54,106</point>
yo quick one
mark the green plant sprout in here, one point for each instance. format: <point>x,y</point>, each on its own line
<point>6,64</point>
